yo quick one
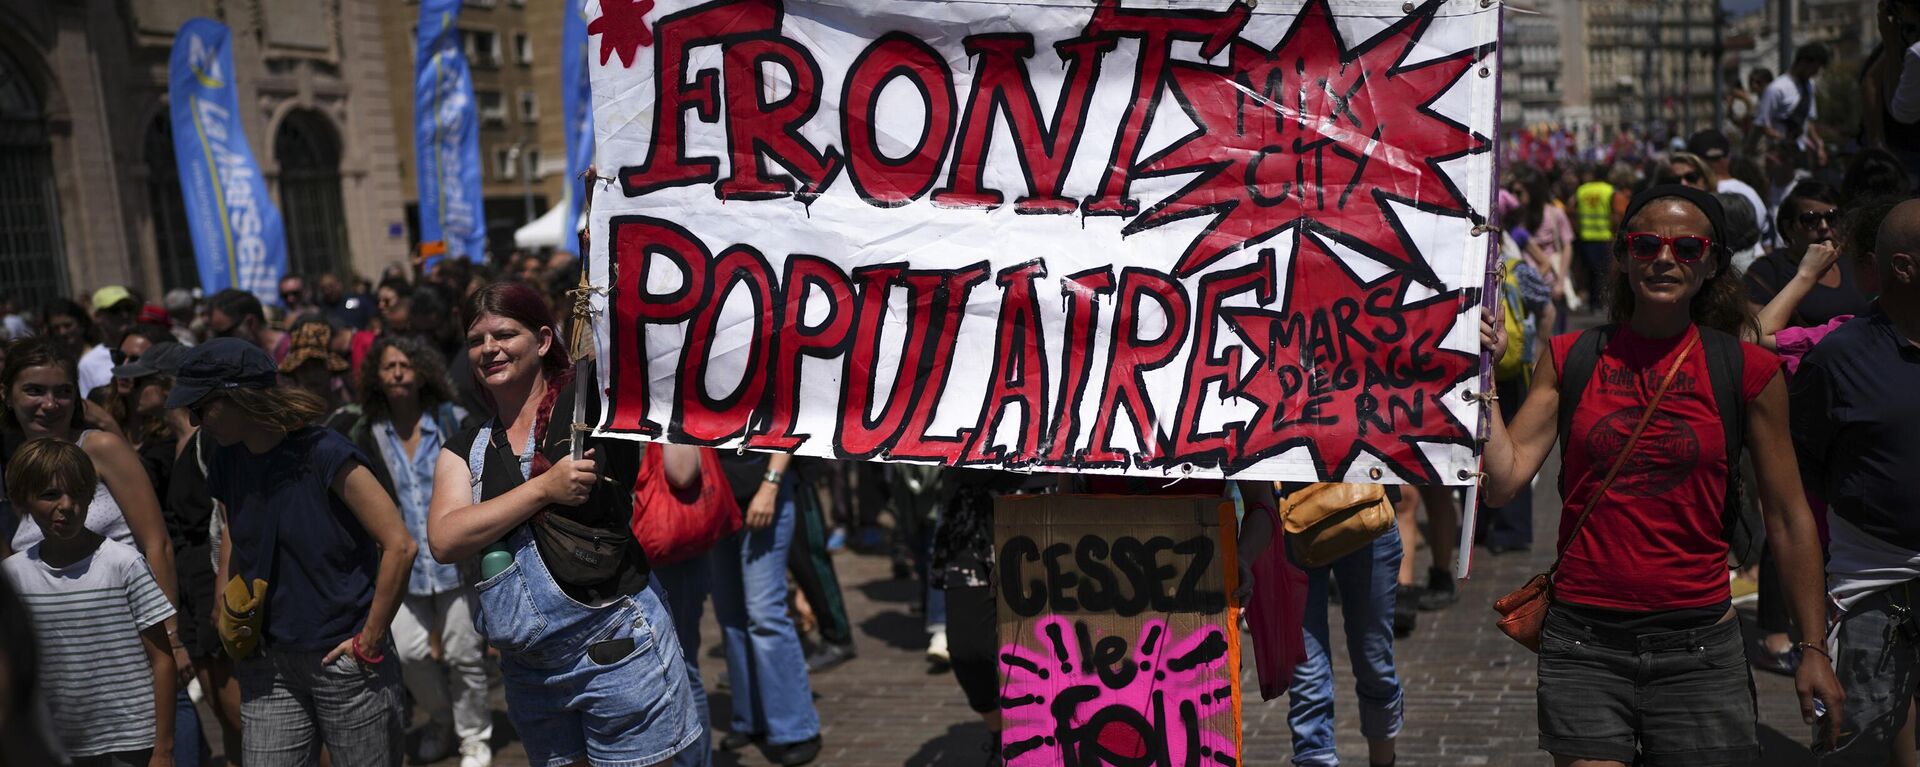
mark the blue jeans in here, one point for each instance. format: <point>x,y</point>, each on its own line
<point>189,743</point>
<point>1368,578</point>
<point>624,704</point>
<point>771,693</point>
<point>687,584</point>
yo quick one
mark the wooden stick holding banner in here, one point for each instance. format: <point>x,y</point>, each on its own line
<point>1489,301</point>
<point>580,335</point>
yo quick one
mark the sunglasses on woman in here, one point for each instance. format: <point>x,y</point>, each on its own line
<point>1811,219</point>
<point>1689,178</point>
<point>1687,248</point>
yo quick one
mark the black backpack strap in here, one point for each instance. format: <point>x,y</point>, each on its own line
<point>1726,366</point>
<point>1740,520</point>
<point>1575,371</point>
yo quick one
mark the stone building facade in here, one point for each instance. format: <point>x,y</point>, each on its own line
<point>89,193</point>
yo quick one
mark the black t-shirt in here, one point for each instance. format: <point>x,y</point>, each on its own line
<point>187,502</point>
<point>289,528</point>
<point>1768,275</point>
<point>182,490</point>
<point>609,508</point>
<point>187,509</point>
<point>744,470</point>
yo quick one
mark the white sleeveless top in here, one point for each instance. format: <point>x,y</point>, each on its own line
<point>103,517</point>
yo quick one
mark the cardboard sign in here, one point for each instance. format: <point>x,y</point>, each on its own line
<point>1157,238</point>
<point>1118,645</point>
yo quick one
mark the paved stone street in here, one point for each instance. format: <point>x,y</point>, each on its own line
<point>1469,690</point>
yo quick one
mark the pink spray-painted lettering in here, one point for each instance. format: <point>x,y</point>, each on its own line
<point>1142,701</point>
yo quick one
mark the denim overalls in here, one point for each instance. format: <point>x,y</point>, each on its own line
<point>636,709</point>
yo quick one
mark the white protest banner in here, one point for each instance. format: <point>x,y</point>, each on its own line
<point>1159,238</point>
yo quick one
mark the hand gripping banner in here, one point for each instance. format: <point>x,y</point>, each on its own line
<point>1191,238</point>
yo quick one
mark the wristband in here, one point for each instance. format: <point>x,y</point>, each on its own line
<point>365,659</point>
<point>1804,645</point>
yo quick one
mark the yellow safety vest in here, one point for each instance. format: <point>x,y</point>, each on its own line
<point>1593,204</point>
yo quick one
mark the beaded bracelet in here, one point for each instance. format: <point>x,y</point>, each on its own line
<point>1804,645</point>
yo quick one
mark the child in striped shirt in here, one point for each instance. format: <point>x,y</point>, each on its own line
<point>105,665</point>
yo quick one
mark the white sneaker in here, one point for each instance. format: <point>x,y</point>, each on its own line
<point>937,648</point>
<point>474,753</point>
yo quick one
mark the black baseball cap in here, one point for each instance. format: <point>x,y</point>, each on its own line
<point>1710,144</point>
<point>218,365</point>
<point>163,357</point>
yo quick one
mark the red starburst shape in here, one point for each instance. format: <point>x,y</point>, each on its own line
<point>1310,133</point>
<point>622,28</point>
<point>1348,366</point>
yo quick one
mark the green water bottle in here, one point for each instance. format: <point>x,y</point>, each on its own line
<point>494,560</point>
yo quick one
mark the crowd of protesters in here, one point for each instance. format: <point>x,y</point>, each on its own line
<point>316,514</point>
<point>1737,426</point>
<point>282,511</point>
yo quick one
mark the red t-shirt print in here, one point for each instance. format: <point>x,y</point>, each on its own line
<point>1654,541</point>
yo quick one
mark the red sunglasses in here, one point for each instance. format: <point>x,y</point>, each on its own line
<point>1687,248</point>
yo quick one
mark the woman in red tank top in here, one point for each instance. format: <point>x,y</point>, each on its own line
<point>1641,660</point>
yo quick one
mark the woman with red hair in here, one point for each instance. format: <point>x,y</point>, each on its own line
<point>592,666</point>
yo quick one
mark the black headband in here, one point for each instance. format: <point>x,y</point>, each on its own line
<point>1706,202</point>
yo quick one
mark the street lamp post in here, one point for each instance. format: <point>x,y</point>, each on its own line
<point>1785,20</point>
<point>1719,67</point>
<point>1686,68</point>
<point>1651,93</point>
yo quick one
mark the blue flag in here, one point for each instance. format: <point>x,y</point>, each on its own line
<point>446,139</point>
<point>238,241</point>
<point>576,97</point>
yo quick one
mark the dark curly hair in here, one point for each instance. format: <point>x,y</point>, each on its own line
<point>429,372</point>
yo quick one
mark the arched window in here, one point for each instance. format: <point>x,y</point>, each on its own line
<point>167,205</point>
<point>32,264</point>
<point>308,153</point>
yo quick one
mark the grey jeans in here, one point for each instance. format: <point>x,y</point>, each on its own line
<point>1877,657</point>
<point>290,704</point>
